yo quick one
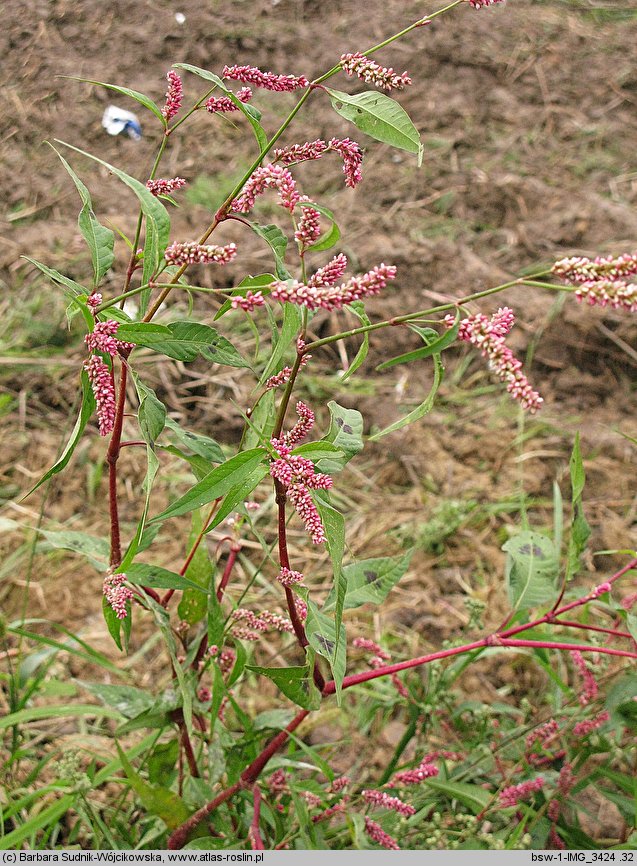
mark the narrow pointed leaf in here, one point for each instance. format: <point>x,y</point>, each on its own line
<point>438,344</point>
<point>183,341</point>
<point>421,410</point>
<point>144,100</point>
<point>278,243</point>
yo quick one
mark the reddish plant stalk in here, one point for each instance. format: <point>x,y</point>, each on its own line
<point>254,834</point>
<point>225,577</point>
<point>193,550</point>
<point>179,837</point>
<point>189,752</point>
<point>598,628</point>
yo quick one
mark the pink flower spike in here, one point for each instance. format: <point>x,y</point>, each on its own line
<point>300,497</point>
<point>378,835</point>
<point>101,380</point>
<point>117,595</point>
<point>174,95</point>
<point>600,590</point>
<point>224,103</point>
<point>426,770</point>
<point>589,684</point>
<point>287,577</point>
<point>385,801</point>
<point>164,186</point>
<point>352,156</point>
<point>583,729</point>
<point>93,301</point>
<point>579,269</point>
<point>190,253</point>
<point>480,4</point>
<point>268,177</point>
<point>309,229</point>
<point>266,80</point>
<point>369,71</point>
<point>512,795</point>
<point>608,293</point>
<point>102,338</point>
<point>334,297</point>
<point>249,302</point>
<point>330,273</point>
<point>299,152</point>
<point>301,608</point>
<point>302,427</point>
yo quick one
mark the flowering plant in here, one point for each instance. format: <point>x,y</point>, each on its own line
<point>211,639</point>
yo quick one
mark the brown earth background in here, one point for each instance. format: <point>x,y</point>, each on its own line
<point>528,114</point>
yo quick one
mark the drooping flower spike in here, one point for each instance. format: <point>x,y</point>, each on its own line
<point>268,177</point>
<point>267,80</point>
<point>330,297</point>
<point>370,72</point>
<point>349,151</point>
<point>223,104</point>
<point>164,186</point>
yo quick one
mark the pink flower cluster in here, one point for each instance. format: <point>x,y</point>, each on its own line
<point>266,80</point>
<point>301,608</point>
<point>254,624</point>
<point>298,476</point>
<point>339,784</point>
<point>302,428</point>
<point>600,590</point>
<point>278,782</point>
<point>117,595</point>
<point>333,297</point>
<point>326,814</point>
<point>543,734</point>
<point>190,253</point>
<point>268,177</point>
<point>330,273</point>
<point>224,103</point>
<point>249,302</point>
<point>349,151</point>
<point>164,186</point>
<point>287,577</point>
<point>309,228</point>
<point>479,4</point>
<point>385,801</point>
<point>488,336</point>
<point>425,770</point>
<point>103,388</point>
<point>589,684</point>
<point>174,95</point>
<point>378,835</point>
<point>582,729</point>
<point>369,71</point>
<point>102,338</point>
<point>602,281</point>
<point>93,301</point>
<point>512,795</point>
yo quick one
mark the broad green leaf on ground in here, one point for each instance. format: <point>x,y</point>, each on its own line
<point>371,580</point>
<point>253,115</point>
<point>144,100</point>
<point>153,575</point>
<point>95,549</point>
<point>531,570</point>
<point>194,604</point>
<point>435,344</point>
<point>157,221</point>
<point>158,800</point>
<point>183,341</point>
<point>290,328</point>
<point>278,242</point>
<point>100,240</point>
<point>346,433</point>
<point>296,683</point>
<point>380,117</point>
<point>202,445</point>
<point>129,701</point>
<point>216,483</point>
<point>421,410</point>
<point>86,410</point>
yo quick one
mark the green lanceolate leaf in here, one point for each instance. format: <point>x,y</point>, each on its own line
<point>183,341</point>
<point>248,110</point>
<point>334,524</point>
<point>193,603</point>
<point>157,220</point>
<point>278,243</point>
<point>73,289</point>
<point>473,796</point>
<point>262,421</point>
<point>95,549</point>
<point>292,320</point>
<point>315,451</point>
<point>580,530</point>
<point>144,100</point>
<point>86,410</point>
<point>151,414</point>
<point>435,345</point>
<point>100,240</point>
<point>128,700</point>
<point>296,683</point>
<point>421,410</point>
<point>380,117</point>
<point>358,308</point>
<point>216,483</point>
<point>370,581</point>
<point>531,570</point>
<point>118,628</point>
<point>158,800</point>
<point>153,575</point>
<point>237,495</point>
<point>345,433</point>
<point>330,237</point>
<point>321,634</point>
<point>202,445</point>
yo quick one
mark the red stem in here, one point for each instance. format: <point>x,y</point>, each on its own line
<point>225,577</point>
<point>193,550</point>
<point>612,631</point>
<point>254,834</point>
<point>188,751</point>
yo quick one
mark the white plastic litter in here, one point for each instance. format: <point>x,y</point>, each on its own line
<point>180,18</point>
<point>117,121</point>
